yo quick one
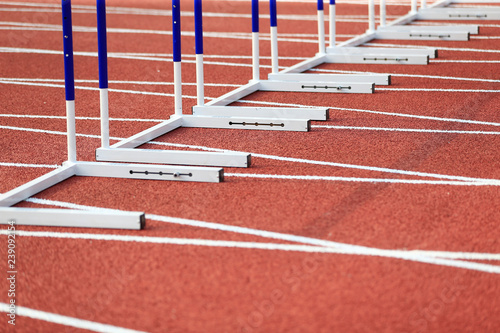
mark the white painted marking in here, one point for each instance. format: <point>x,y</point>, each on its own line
<point>410,75</point>
<point>65,320</point>
<point>443,48</point>
<point>407,130</point>
<point>362,180</point>
<point>24,165</point>
<point>405,115</point>
<point>326,247</point>
<point>288,159</point>
<point>440,90</point>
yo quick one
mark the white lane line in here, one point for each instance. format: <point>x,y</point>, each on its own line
<point>162,12</point>
<point>457,120</point>
<point>409,75</point>
<point>405,115</point>
<point>29,165</point>
<point>308,177</point>
<point>78,118</point>
<point>406,130</point>
<point>285,159</point>
<point>146,83</point>
<point>327,247</point>
<point>111,55</point>
<point>439,90</point>
<point>357,128</point>
<point>467,61</point>
<point>34,83</point>
<point>362,180</point>
<point>156,57</point>
<point>50,85</point>
<point>273,235</point>
<point>65,320</point>
<point>136,92</point>
<point>227,35</point>
<point>459,255</point>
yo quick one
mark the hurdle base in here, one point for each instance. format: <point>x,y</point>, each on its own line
<point>459,14</point>
<point>366,56</point>
<point>319,114</point>
<point>377,79</point>
<point>394,33</point>
<point>150,172</point>
<point>469,28</point>
<point>73,218</point>
<point>177,157</point>
<point>318,86</point>
<point>418,56</point>
<point>249,123</point>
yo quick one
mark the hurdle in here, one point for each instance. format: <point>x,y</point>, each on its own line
<point>396,29</point>
<point>440,11</point>
<point>348,52</point>
<point>220,106</point>
<point>125,150</point>
<point>72,167</point>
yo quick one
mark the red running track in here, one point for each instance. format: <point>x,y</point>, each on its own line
<point>350,184</point>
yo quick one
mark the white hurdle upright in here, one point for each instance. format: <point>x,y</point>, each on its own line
<point>440,11</point>
<point>73,167</point>
<point>220,106</point>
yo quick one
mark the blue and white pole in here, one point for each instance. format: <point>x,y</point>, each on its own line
<point>332,32</point>
<point>255,40</point>
<point>198,32</point>
<point>274,36</point>
<point>176,32</point>
<point>69,79</point>
<point>414,6</point>
<point>321,27</point>
<point>102,52</point>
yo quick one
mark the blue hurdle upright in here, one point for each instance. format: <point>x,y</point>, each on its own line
<point>73,167</point>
